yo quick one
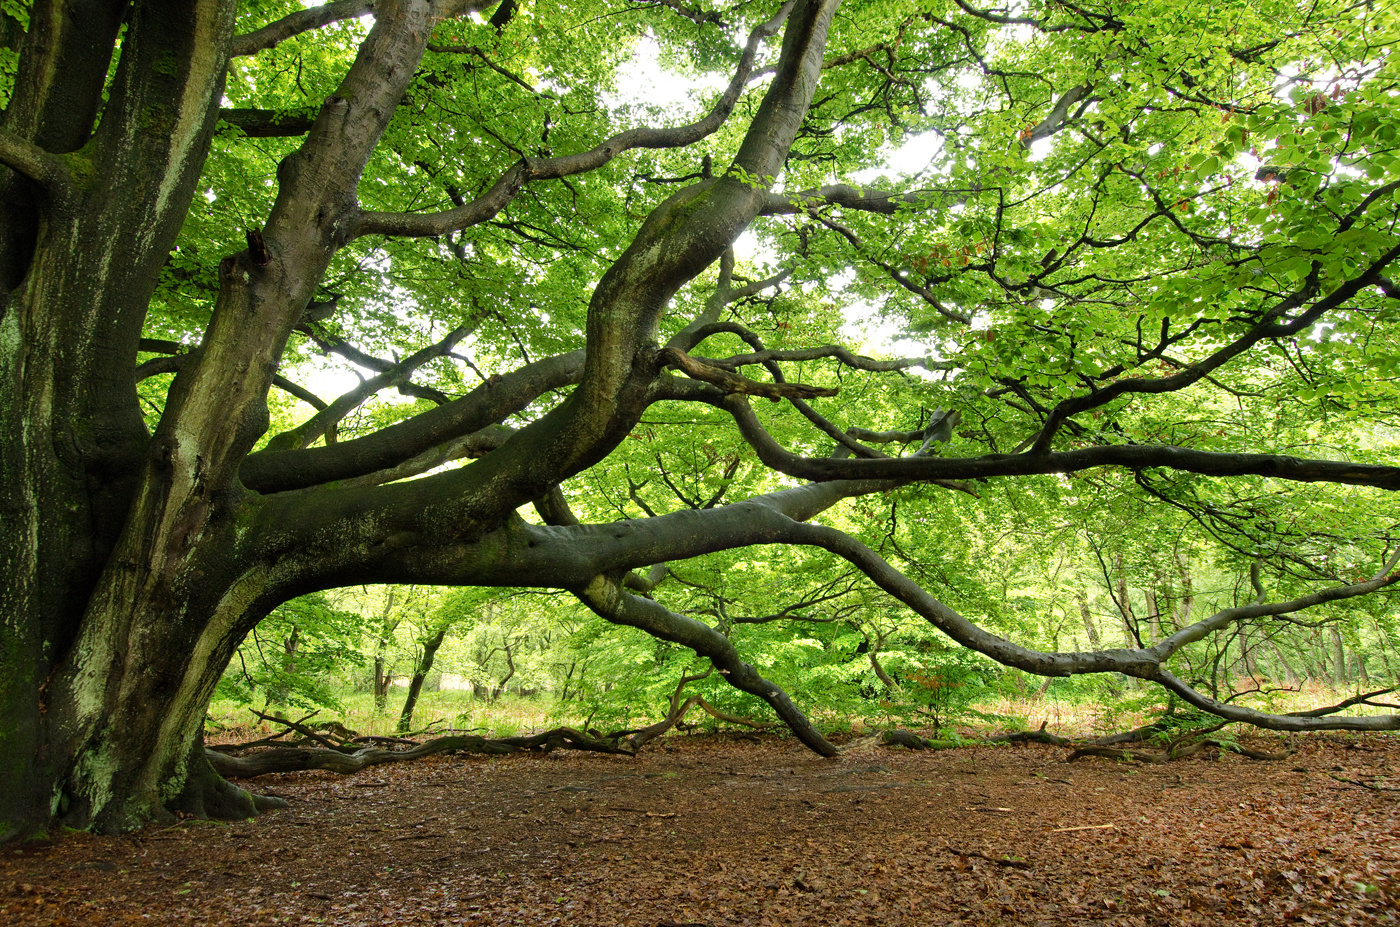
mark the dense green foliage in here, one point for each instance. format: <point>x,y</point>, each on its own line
<point>1096,195</point>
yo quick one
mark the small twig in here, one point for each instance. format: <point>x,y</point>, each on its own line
<point>301,729</point>
<point>1000,861</point>
<point>1365,785</point>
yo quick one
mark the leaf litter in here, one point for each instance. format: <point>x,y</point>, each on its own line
<point>721,831</point>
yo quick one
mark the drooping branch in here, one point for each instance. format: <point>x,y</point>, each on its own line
<point>1144,663</point>
<point>273,34</point>
<point>1272,722</point>
<point>1262,609</point>
<point>607,598</point>
<point>542,555</point>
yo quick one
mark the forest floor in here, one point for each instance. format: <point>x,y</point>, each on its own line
<point>716,830</point>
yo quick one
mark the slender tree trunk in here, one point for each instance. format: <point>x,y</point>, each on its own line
<point>280,692</point>
<point>1359,660</point>
<point>386,626</point>
<point>1247,659</point>
<point>568,678</point>
<point>1290,674</point>
<point>1089,628</point>
<point>1339,657</point>
<point>1154,622</point>
<point>1383,642</point>
<point>381,681</point>
<point>1125,605</point>
<point>420,672</point>
<point>1183,609</point>
<point>1323,669</point>
<point>510,662</point>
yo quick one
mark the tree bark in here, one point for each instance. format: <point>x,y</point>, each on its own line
<point>1340,675</point>
<point>1090,630</point>
<point>420,672</point>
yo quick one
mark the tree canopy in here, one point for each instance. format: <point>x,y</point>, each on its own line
<point>1108,283</point>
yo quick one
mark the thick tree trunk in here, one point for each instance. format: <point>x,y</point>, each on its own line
<point>110,659</point>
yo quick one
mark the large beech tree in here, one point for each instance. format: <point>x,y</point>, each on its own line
<point>1136,238</point>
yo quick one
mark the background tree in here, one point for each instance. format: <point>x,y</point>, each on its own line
<point>1149,238</point>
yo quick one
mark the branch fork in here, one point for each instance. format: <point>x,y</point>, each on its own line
<point>731,382</point>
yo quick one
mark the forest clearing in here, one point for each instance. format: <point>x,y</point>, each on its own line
<point>730,389</point>
<point>740,830</point>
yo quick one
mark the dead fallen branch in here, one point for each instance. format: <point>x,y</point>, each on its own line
<point>297,759</point>
<point>1174,752</point>
<point>1040,736</point>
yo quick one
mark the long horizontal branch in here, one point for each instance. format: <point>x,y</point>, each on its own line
<point>1275,324</point>
<point>591,559</point>
<point>475,445</point>
<point>1142,664</point>
<point>527,170</point>
<point>1132,457</point>
<point>274,34</point>
<point>731,382</point>
<point>836,352</point>
<point>863,199</point>
<point>268,123</point>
